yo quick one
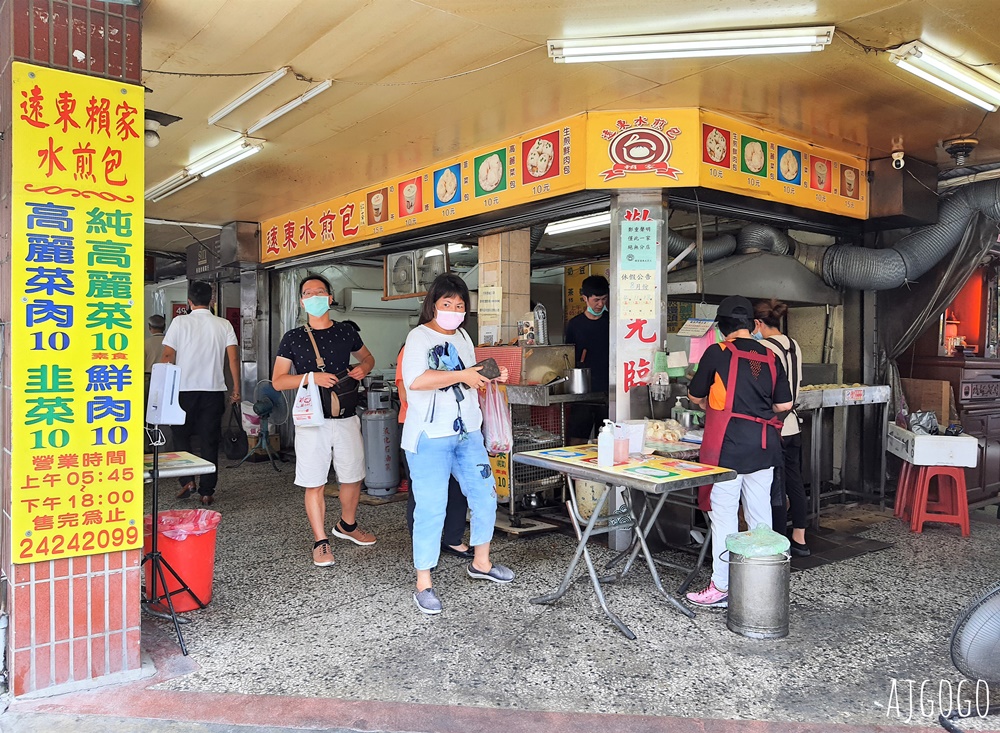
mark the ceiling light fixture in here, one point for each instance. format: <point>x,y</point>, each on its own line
<point>289,106</point>
<point>249,94</point>
<point>948,74</point>
<point>691,45</point>
<point>169,187</point>
<point>224,156</point>
<point>591,221</point>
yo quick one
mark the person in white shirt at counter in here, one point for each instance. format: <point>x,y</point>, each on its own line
<point>788,489</point>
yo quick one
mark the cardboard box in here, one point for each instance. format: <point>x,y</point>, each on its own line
<point>932,450</point>
<point>929,395</point>
<point>273,438</point>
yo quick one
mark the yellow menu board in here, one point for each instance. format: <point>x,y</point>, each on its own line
<point>76,328</point>
<point>534,166</point>
<point>646,149</point>
<point>743,159</point>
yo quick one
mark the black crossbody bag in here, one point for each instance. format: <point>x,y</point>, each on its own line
<point>343,396</point>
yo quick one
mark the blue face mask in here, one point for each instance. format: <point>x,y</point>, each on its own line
<point>757,336</point>
<point>317,305</point>
<point>597,314</point>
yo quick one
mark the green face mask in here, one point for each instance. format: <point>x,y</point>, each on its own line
<point>599,313</point>
<point>317,305</point>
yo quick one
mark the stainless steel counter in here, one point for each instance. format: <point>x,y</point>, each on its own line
<point>538,395</point>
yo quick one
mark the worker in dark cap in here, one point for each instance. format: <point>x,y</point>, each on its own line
<point>743,388</point>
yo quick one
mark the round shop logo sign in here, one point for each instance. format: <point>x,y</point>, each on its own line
<point>640,150</point>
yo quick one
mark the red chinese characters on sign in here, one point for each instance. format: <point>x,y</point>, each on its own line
<point>271,241</point>
<point>346,214</point>
<point>634,373</point>
<point>58,110</point>
<point>290,242</point>
<point>306,231</point>
<point>636,330</point>
<point>638,215</point>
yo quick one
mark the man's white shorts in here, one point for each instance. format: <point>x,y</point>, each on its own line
<point>338,441</point>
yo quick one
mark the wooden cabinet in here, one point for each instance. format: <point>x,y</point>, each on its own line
<point>976,389</point>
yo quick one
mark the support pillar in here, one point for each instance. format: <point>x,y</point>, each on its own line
<point>637,303</point>
<point>505,263</point>
<point>73,621</point>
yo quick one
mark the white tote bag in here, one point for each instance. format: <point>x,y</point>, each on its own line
<point>308,409</point>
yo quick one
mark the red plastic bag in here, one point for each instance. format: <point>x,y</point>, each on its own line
<point>178,524</point>
<point>496,419</point>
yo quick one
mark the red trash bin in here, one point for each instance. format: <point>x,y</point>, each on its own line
<point>186,541</point>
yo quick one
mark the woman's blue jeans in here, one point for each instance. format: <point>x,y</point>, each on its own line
<point>434,461</point>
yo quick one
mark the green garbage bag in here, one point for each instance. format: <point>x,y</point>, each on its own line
<point>759,542</point>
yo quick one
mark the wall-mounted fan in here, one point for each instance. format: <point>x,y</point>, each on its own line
<point>400,274</point>
<point>430,263</point>
<point>271,407</point>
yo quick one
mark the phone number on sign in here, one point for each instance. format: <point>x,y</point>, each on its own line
<point>85,541</point>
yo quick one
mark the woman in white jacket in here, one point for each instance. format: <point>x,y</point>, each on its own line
<point>442,436</point>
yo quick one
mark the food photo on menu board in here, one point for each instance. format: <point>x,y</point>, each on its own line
<point>378,209</point>
<point>754,158</point>
<point>849,178</point>
<point>821,178</point>
<point>490,173</point>
<point>716,146</point>
<point>448,185</point>
<point>410,193</point>
<point>538,156</point>
<point>789,165</point>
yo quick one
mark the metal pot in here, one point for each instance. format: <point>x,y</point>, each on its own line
<point>577,381</point>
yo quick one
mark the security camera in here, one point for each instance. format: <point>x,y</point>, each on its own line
<point>897,160</point>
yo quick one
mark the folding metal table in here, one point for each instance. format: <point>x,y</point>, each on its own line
<point>651,475</point>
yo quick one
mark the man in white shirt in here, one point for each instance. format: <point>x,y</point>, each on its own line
<point>197,343</point>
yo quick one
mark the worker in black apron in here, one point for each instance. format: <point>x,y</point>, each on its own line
<point>741,387</point>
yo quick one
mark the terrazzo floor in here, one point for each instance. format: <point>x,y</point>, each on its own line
<point>278,625</point>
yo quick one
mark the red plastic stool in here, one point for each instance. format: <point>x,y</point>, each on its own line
<point>904,490</point>
<point>952,505</point>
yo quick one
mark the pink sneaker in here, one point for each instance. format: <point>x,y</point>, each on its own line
<point>711,597</point>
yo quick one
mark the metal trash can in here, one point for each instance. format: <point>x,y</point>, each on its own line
<point>759,570</point>
<point>758,595</point>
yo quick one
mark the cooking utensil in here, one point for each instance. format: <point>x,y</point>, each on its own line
<point>577,379</point>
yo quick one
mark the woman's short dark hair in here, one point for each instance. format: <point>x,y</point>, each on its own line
<point>446,285</point>
<point>307,278</point>
<point>729,324</point>
<point>770,312</point>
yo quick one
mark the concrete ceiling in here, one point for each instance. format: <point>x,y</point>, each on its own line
<point>415,81</point>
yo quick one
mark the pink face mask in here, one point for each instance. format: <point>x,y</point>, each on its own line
<point>449,320</point>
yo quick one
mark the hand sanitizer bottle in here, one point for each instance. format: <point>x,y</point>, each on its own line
<point>678,411</point>
<point>606,445</point>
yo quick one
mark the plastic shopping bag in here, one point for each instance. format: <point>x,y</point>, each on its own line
<point>496,419</point>
<point>308,408</point>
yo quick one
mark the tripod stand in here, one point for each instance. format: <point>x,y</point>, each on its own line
<point>262,440</point>
<point>157,569</point>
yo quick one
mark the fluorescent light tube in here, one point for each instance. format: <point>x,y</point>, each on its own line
<point>246,153</point>
<point>289,106</point>
<point>581,222</point>
<point>948,74</point>
<point>691,45</point>
<point>162,194</point>
<point>249,94</point>
<point>226,155</point>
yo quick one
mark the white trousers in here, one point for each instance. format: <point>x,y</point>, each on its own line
<point>755,488</point>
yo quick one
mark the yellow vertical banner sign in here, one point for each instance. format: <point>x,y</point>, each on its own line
<point>77,325</point>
